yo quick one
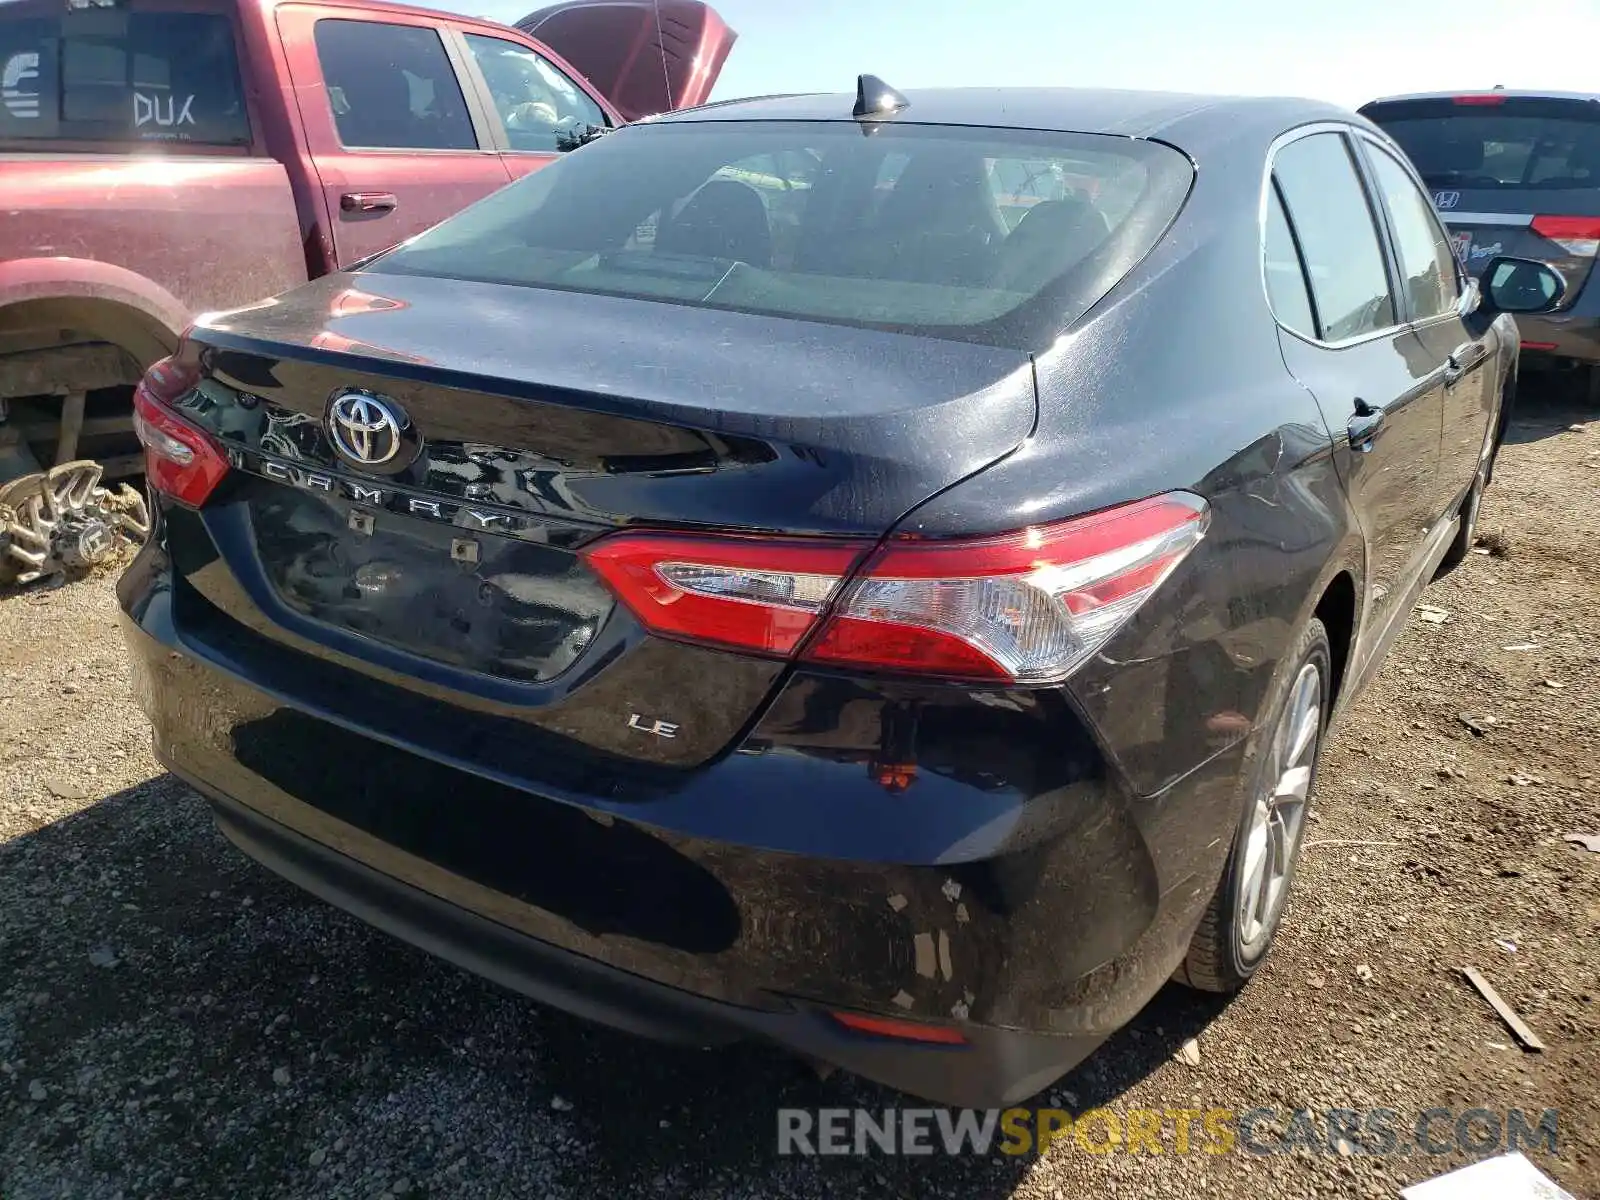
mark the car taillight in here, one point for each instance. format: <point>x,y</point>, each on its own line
<point>1488,99</point>
<point>760,595</point>
<point>180,459</point>
<point>1026,607</point>
<point>1578,236</point>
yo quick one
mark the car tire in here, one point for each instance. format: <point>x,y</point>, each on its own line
<point>1233,937</point>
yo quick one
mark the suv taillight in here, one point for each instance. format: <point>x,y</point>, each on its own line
<point>180,459</point>
<point>1578,236</point>
<point>1025,607</point>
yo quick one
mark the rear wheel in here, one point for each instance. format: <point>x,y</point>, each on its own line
<point>1237,928</point>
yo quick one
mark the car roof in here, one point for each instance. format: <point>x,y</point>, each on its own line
<point>380,7</point>
<point>1188,120</point>
<point>1508,93</point>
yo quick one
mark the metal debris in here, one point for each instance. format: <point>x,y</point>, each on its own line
<point>1522,646</point>
<point>1589,841</point>
<point>61,522</point>
<point>1516,1024</point>
<point>1478,728</point>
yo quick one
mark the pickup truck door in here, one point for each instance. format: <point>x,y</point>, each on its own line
<point>397,139</point>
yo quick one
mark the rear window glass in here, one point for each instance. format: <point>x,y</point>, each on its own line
<point>1502,151</point>
<point>931,229</point>
<point>112,75</point>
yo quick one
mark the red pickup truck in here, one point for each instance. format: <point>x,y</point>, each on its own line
<point>160,158</point>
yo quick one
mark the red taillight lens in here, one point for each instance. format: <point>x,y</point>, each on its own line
<point>744,593</point>
<point>1027,607</point>
<point>180,459</point>
<point>1579,236</point>
<point>1480,100</point>
<point>905,1031</point>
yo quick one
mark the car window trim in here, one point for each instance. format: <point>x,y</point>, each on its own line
<point>450,53</point>
<point>1398,157</point>
<point>1276,197</point>
<point>1517,220</point>
<point>1268,181</point>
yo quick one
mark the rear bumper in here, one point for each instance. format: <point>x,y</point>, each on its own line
<point>1036,915</point>
<point>996,1067</point>
<point>1568,336</point>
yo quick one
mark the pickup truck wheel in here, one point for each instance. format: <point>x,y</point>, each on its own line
<point>61,522</point>
<point>1238,925</point>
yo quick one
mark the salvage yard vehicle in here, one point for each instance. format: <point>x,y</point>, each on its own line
<point>161,157</point>
<point>909,640</point>
<point>1517,172</point>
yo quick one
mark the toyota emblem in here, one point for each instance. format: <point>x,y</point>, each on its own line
<point>366,431</point>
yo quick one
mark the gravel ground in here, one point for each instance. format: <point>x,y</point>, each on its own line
<point>175,1021</point>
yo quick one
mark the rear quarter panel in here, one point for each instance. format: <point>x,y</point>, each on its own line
<point>215,232</point>
<point>1175,381</point>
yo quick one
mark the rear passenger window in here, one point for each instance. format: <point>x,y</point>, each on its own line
<point>1426,260</point>
<point>392,87</point>
<point>1286,282</point>
<point>1338,240</point>
<point>112,75</point>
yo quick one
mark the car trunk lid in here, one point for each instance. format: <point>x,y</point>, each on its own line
<point>1511,175</point>
<point>457,561</point>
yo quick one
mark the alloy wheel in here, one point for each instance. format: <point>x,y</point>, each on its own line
<point>1277,818</point>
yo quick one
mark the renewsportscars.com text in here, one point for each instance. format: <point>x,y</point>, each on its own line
<point>1020,1131</point>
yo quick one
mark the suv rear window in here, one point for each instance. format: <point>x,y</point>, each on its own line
<point>113,75</point>
<point>936,229</point>
<point>1468,147</point>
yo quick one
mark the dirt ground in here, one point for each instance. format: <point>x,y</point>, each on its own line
<point>174,1021</point>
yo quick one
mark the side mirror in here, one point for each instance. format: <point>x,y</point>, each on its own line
<point>1522,285</point>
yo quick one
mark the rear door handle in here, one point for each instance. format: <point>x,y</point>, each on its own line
<point>368,202</point>
<point>1364,426</point>
<point>1462,361</point>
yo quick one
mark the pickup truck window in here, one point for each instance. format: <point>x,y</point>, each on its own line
<point>536,101</point>
<point>392,87</point>
<point>109,75</point>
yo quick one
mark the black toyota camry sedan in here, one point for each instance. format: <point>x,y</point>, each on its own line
<point>871,573</point>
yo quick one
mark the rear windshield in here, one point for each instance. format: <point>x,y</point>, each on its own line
<point>106,74</point>
<point>935,229</point>
<point>1468,148</point>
